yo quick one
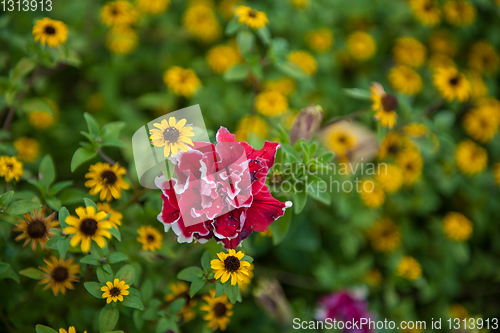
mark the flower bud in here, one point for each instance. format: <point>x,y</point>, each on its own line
<point>306,123</point>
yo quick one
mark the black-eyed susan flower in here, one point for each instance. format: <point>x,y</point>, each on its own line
<point>452,84</point>
<point>340,139</point>
<point>10,168</point>
<point>219,311</point>
<point>152,6</point>
<point>441,42</point>
<point>482,122</point>
<point>483,58</point>
<point>304,60</point>
<point>284,85</point>
<point>361,45</point>
<point>28,149</point>
<point>459,12</point>
<point>50,32</point>
<point>320,40</point>
<point>121,39</point>
<point>88,225</point>
<point>41,119</point>
<point>409,51</point>
<point>230,265</point>
<point>114,291</point>
<point>150,238</point>
<point>392,144</point>
<point>106,180</point>
<point>201,22</point>
<point>181,289</point>
<point>271,103</point>
<point>251,125</point>
<point>405,79</point>
<point>115,217</point>
<point>470,157</point>
<point>415,130</point>
<point>181,81</point>
<point>390,177</point>
<point>371,194</point>
<point>173,135</point>
<point>384,104</point>
<point>409,268</point>
<point>36,228</point>
<point>426,11</point>
<point>250,17</point>
<point>59,274</point>
<point>457,227</point>
<point>410,162</point>
<point>385,235</point>
<point>118,12</point>
<point>222,57</point>
<point>71,329</point>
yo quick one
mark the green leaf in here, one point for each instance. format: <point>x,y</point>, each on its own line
<point>190,274</point>
<point>6,198</point>
<point>32,273</point>
<point>108,317</point>
<point>63,214</point>
<point>59,186</point>
<point>147,290</point>
<point>245,40</point>
<point>94,289</point>
<point>231,291</point>
<point>264,34</point>
<point>9,274</point>
<point>89,259</point>
<point>44,329</point>
<point>62,246</point>
<point>37,104</point>
<point>196,285</point>
<point>114,143</point>
<point>22,206</point>
<point>356,93</point>
<point>47,172</point>
<point>236,73</point>
<point>117,257</point>
<point>291,69</point>
<point>232,27</point>
<point>246,257</point>
<point>23,67</point>
<point>90,203</point>
<point>103,276</point>
<point>205,261</point>
<point>176,306</point>
<point>280,227</point>
<point>3,267</point>
<point>80,156</point>
<point>219,288</point>
<point>126,273</point>
<point>299,200</point>
<point>116,233</point>
<point>53,203</point>
<point>91,124</point>
<point>132,301</point>
<point>52,242</point>
<point>111,131</point>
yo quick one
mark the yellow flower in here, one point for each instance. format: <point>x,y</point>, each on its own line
<point>41,119</point>
<point>251,124</point>
<point>415,130</point>
<point>361,45</point>
<point>115,217</point>
<point>10,168</point>
<point>410,162</point>
<point>152,6</point>
<point>59,274</point>
<point>340,139</point>
<point>115,291</point>
<point>384,104</point>
<point>181,81</point>
<point>50,32</point>
<point>409,51</point>
<point>251,17</point>
<point>371,193</point>
<point>219,310</point>
<point>243,284</point>
<point>227,7</point>
<point>482,122</point>
<point>427,11</point>
<point>304,60</point>
<point>271,103</point>
<point>390,178</point>
<point>405,79</point>
<point>320,40</point>
<point>71,329</point>
<point>284,85</point>
<point>478,87</point>
<point>107,180</point>
<point>301,4</point>
<point>89,225</point>
<point>267,233</point>
<point>392,144</point>
<point>28,149</point>
<point>458,311</point>
<point>385,235</point>
<point>150,238</point>
<point>483,58</point>
<point>172,135</point>
<point>470,157</point>
<point>452,84</point>
<point>181,289</point>
<point>409,268</point>
<point>440,60</point>
<point>497,173</point>
<point>36,228</point>
<point>374,277</point>
<point>230,265</point>
<point>441,42</point>
<point>118,12</point>
<point>201,22</point>
<point>121,39</point>
<point>221,58</point>
<point>457,227</point>
<point>459,12</point>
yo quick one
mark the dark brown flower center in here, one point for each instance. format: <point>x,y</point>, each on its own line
<point>60,274</point>
<point>115,291</point>
<point>232,264</point>
<point>252,13</point>
<point>36,229</point>
<point>49,30</point>
<point>171,134</point>
<point>88,227</point>
<point>114,11</point>
<point>409,166</point>
<point>389,102</point>
<point>393,149</point>
<point>151,238</point>
<point>342,139</point>
<point>220,309</point>
<point>109,177</point>
<point>454,81</point>
<point>10,166</point>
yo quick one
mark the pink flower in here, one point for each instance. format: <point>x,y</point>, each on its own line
<point>220,192</point>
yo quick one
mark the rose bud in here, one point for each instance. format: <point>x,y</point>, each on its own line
<point>306,123</point>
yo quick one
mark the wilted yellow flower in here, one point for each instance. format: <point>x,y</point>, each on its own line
<point>409,268</point>
<point>390,177</point>
<point>409,51</point>
<point>385,235</point>
<point>59,274</point>
<point>405,79</point>
<point>221,58</point>
<point>28,149</point>
<point>202,23</point>
<point>121,39</point>
<point>119,12</point>
<point>36,228</point>
<point>152,6</point>
<point>10,168</point>
<point>459,12</point>
<point>251,17</point>
<point>483,58</point>
<point>182,81</point>
<point>371,193</point>
<point>452,84</point>
<point>251,124</point>
<point>426,11</point>
<point>304,60</point>
<point>320,40</point>
<point>470,157</point>
<point>410,162</point>
<point>284,85</point>
<point>50,32</point>
<point>361,45</point>
<point>271,103</point>
<point>457,227</point>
